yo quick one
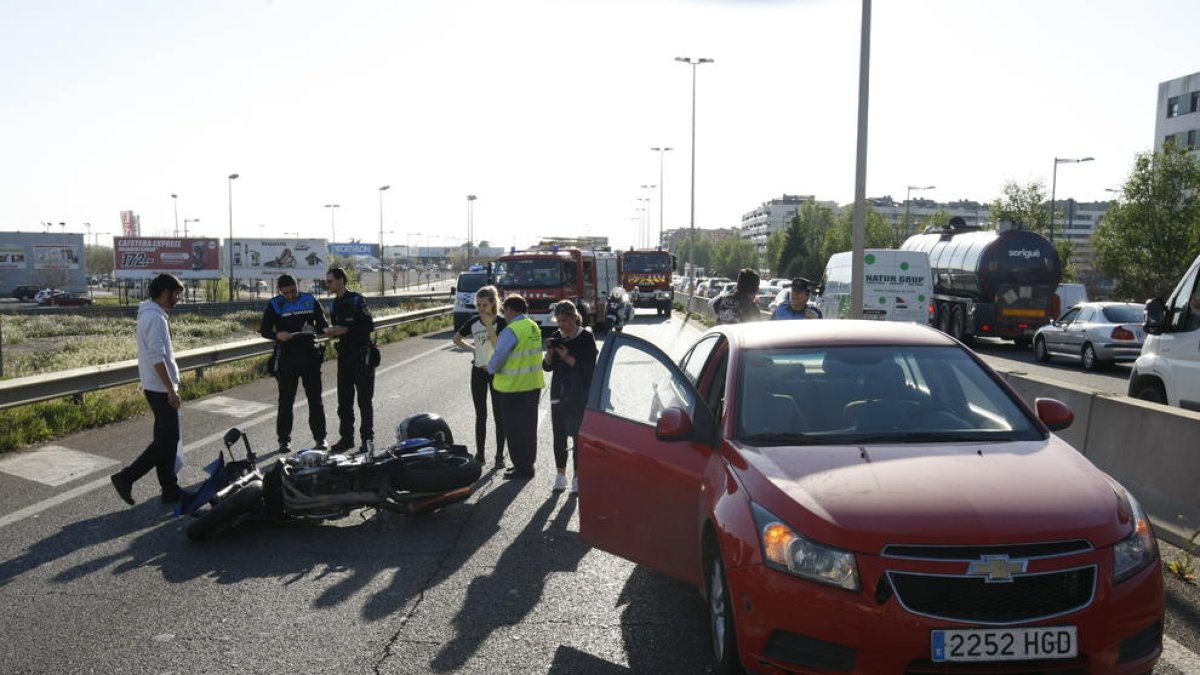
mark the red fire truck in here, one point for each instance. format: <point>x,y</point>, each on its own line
<point>646,274</point>
<point>549,272</point>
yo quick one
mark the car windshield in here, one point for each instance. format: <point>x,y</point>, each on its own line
<point>647,262</point>
<point>892,394</point>
<point>528,273</point>
<point>1125,314</point>
<point>469,283</point>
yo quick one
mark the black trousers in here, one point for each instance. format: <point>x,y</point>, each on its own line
<point>565,420</point>
<point>519,410</point>
<point>355,378</point>
<point>294,368</point>
<point>160,454</point>
<point>481,388</point>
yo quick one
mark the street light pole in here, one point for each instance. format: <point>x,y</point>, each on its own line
<point>907,199</point>
<point>332,224</point>
<point>1054,186</point>
<point>175,203</point>
<point>661,152</point>
<point>185,225</point>
<point>648,199</point>
<point>382,189</point>
<point>232,177</point>
<point>470,227</point>
<point>692,222</point>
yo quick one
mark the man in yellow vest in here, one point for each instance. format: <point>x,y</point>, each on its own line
<point>517,366</point>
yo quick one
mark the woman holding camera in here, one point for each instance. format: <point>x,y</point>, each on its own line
<point>571,357</point>
<point>483,329</point>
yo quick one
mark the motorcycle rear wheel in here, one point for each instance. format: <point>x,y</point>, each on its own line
<point>226,511</point>
<point>440,473</point>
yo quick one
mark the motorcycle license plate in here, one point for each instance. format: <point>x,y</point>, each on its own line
<point>1005,644</point>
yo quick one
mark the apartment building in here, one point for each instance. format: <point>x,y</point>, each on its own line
<point>1177,116</point>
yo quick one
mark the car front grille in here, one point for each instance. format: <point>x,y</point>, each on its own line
<point>1027,597</point>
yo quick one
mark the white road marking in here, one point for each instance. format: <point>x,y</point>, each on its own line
<point>1179,657</point>
<point>234,407</point>
<point>54,465</point>
<point>206,442</point>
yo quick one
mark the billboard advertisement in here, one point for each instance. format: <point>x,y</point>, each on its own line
<point>55,257</point>
<point>13,258</point>
<point>146,257</point>
<point>269,258</point>
<point>354,248</point>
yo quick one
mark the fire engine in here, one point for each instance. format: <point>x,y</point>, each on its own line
<point>552,271</point>
<point>646,274</point>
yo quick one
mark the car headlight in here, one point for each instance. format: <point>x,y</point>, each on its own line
<point>1133,553</point>
<point>788,551</point>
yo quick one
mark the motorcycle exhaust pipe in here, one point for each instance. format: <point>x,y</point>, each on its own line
<point>419,506</point>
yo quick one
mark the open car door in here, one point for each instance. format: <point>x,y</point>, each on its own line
<point>645,441</point>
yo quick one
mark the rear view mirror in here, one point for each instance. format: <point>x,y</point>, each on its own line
<point>1156,316</point>
<point>1054,413</point>
<point>453,290</point>
<point>673,425</point>
<point>232,436</point>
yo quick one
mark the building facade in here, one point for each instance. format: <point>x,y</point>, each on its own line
<point>46,260</point>
<point>1177,117</point>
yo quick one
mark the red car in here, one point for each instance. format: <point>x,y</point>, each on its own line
<point>866,497</point>
<point>65,299</point>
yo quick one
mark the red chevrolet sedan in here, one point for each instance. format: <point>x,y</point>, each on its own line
<point>866,497</point>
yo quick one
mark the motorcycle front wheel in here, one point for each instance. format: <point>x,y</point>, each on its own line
<point>439,473</point>
<point>226,511</point>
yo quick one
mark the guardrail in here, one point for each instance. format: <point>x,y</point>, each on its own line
<point>207,308</point>
<point>78,381</point>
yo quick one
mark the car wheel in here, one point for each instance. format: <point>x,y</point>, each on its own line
<point>1090,360</point>
<point>943,318</point>
<point>1152,391</point>
<point>1040,352</point>
<point>720,617</point>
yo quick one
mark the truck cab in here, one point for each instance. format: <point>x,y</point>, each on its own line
<point>545,276</point>
<point>1168,371</point>
<point>646,274</point>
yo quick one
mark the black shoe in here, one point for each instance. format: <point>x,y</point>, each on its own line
<point>173,495</point>
<point>499,462</point>
<point>514,474</point>
<point>124,487</point>
<point>284,447</point>
<point>479,457</point>
<point>342,446</point>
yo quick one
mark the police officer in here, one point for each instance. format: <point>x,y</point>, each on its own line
<point>353,323</point>
<point>293,320</point>
<point>517,367</point>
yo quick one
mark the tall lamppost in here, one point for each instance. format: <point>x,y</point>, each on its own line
<point>1054,185</point>
<point>907,199</point>
<point>382,189</point>
<point>332,223</point>
<point>470,227</point>
<point>692,222</point>
<point>232,177</point>
<point>175,204</point>
<point>661,152</point>
<point>185,225</point>
<point>648,188</point>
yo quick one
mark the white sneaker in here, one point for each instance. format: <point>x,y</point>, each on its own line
<point>560,482</point>
<point>574,485</point>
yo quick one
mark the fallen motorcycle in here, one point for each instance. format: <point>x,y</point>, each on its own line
<point>415,476</point>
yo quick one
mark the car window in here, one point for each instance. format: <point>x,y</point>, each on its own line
<point>1185,302</point>
<point>1125,314</point>
<point>640,386</point>
<point>1070,316</point>
<point>693,362</point>
<point>1087,314</point>
<point>894,393</point>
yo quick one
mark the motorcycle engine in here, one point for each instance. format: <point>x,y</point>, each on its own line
<point>316,472</point>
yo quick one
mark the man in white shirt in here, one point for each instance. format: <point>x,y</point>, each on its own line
<point>160,383</point>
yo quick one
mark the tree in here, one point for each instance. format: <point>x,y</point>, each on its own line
<point>800,254</point>
<point>841,237</point>
<point>938,218</point>
<point>1148,239</point>
<point>733,253</point>
<point>775,243</point>
<point>99,260</point>
<point>1024,204</point>
<point>703,252</point>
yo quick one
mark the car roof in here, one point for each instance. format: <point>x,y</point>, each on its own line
<point>827,332</point>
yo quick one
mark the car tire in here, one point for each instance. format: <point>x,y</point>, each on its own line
<point>1090,360</point>
<point>1040,351</point>
<point>958,324</point>
<point>722,630</point>
<point>1152,391</point>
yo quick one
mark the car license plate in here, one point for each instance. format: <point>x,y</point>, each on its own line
<point>1005,644</point>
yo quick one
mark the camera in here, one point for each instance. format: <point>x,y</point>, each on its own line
<point>556,342</point>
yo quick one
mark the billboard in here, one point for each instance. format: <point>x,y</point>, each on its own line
<point>146,257</point>
<point>268,258</point>
<point>354,249</point>
<point>55,257</point>
<point>13,258</point>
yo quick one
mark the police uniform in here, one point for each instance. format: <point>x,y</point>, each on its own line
<point>354,374</point>
<point>297,360</point>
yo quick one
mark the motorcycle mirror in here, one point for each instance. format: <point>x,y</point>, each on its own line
<point>232,436</point>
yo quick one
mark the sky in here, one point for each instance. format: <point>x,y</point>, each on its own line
<point>546,110</point>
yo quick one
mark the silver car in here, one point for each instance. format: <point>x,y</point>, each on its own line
<point>1096,333</point>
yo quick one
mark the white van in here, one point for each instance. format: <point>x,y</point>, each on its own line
<point>464,294</point>
<point>1168,371</point>
<point>897,286</point>
<point>1067,296</point>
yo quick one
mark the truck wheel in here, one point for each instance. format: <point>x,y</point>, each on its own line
<point>943,318</point>
<point>958,324</point>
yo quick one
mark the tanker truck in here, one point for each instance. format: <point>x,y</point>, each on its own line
<point>989,283</point>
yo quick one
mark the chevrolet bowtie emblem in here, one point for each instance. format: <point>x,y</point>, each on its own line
<point>996,568</point>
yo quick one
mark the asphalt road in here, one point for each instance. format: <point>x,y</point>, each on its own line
<point>501,583</point>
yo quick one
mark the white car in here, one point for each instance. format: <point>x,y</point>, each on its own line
<point>43,296</point>
<point>1168,371</point>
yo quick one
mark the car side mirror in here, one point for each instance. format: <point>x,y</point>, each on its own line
<point>1054,413</point>
<point>453,290</point>
<point>1156,316</point>
<point>674,424</point>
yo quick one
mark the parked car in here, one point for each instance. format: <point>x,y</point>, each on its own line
<point>1097,333</point>
<point>65,299</point>
<point>766,295</point>
<point>1168,371</point>
<point>43,295</point>
<point>24,293</point>
<point>866,497</point>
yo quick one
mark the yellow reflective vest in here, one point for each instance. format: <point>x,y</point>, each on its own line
<point>522,371</point>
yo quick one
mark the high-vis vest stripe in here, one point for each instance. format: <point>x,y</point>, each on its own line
<point>522,371</point>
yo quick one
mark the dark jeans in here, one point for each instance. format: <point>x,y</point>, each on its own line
<point>565,420</point>
<point>294,368</point>
<point>480,387</point>
<point>160,454</point>
<point>355,377</point>
<point>519,410</point>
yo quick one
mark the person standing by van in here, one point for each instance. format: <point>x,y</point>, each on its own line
<point>484,329</point>
<point>797,305</point>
